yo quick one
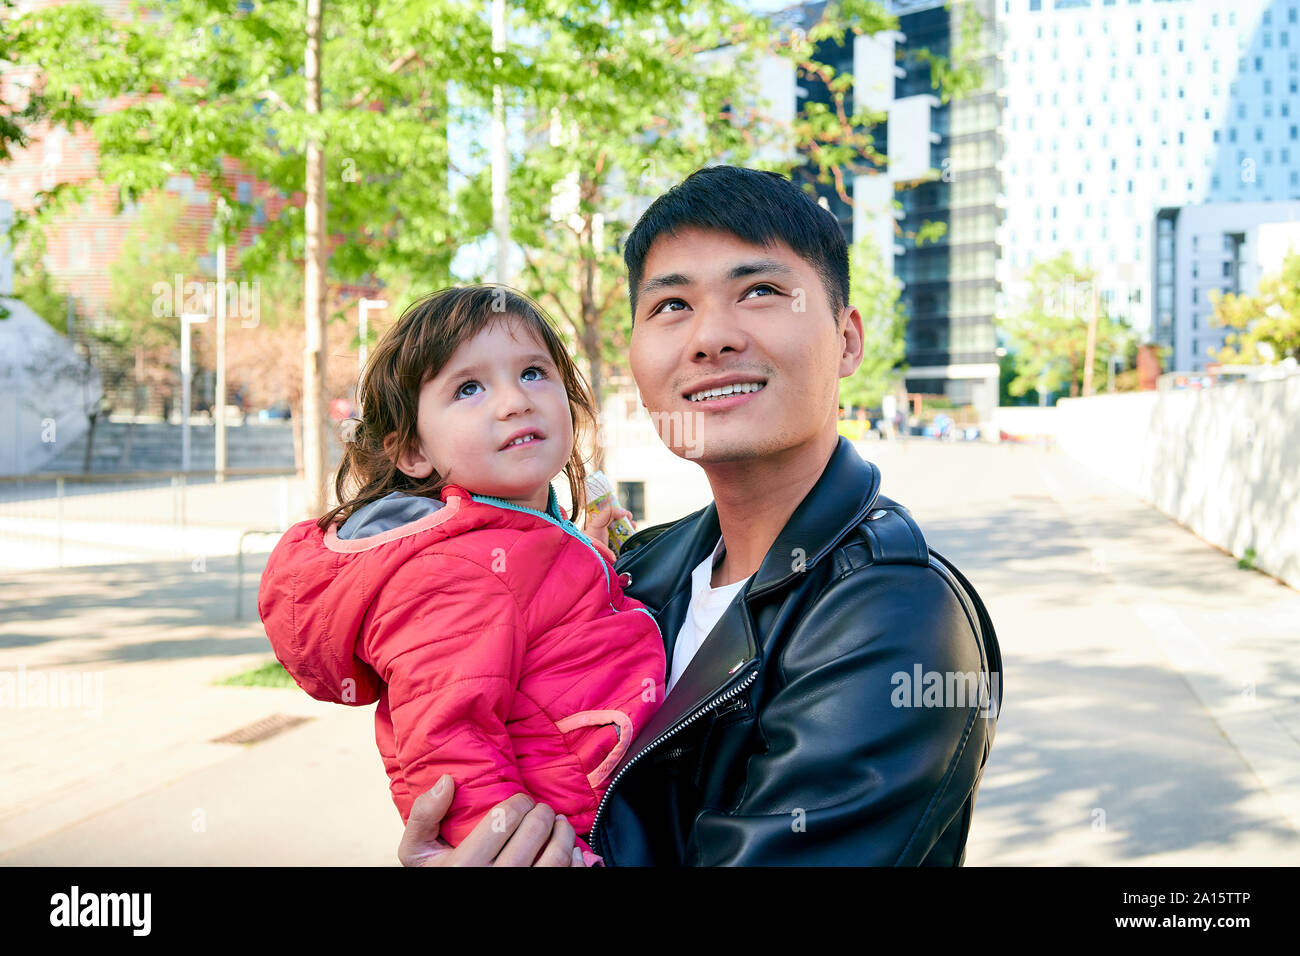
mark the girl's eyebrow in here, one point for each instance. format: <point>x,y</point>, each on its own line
<point>469,371</point>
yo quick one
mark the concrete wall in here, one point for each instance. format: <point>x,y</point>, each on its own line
<point>1224,462</point>
<point>1026,422</point>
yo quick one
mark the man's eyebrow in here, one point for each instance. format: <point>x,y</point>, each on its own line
<point>759,267</point>
<point>668,281</point>
<point>741,271</point>
<point>469,371</point>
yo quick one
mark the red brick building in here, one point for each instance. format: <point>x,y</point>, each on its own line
<point>82,245</point>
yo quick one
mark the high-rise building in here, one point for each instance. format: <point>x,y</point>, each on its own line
<point>1117,109</point>
<point>950,285</point>
<point>942,168</point>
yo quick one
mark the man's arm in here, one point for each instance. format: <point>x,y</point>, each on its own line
<point>859,770</point>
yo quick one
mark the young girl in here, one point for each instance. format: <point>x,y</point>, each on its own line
<point>450,586</point>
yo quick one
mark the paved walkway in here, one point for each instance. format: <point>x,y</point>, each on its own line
<point>1152,708</point>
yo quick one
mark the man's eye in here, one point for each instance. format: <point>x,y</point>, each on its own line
<point>663,306</point>
<point>541,373</point>
<point>761,288</point>
<point>461,393</point>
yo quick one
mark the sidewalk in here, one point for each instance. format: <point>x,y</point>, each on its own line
<point>140,782</point>
<point>1152,711</point>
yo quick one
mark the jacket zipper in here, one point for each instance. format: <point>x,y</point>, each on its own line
<point>674,729</point>
<point>568,527</point>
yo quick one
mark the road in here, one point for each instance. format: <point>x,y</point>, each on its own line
<point>1151,713</point>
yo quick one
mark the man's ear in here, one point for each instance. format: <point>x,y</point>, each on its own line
<point>411,461</point>
<point>850,338</point>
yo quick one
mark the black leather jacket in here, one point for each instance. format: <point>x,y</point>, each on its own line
<point>806,729</point>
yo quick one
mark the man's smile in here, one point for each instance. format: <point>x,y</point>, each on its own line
<point>711,390</point>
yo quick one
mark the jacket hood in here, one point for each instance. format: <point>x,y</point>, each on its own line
<point>318,586</point>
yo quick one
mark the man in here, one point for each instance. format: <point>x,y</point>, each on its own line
<point>832,683</point>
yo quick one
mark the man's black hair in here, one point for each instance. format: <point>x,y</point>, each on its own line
<point>756,206</point>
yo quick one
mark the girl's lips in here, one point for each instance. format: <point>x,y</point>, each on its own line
<point>524,444</point>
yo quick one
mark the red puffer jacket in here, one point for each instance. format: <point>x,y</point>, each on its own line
<point>496,639</point>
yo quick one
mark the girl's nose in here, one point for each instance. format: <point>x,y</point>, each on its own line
<point>513,400</point>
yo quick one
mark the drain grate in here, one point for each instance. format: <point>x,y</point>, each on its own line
<point>260,730</point>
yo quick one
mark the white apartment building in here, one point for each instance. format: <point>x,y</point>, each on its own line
<point>1227,247</point>
<point>1116,109</point>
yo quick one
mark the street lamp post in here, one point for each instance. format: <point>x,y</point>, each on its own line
<point>222,217</point>
<point>187,319</point>
<point>362,330</point>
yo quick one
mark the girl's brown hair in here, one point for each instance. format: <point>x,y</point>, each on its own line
<point>413,351</point>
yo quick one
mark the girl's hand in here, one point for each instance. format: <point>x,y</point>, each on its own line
<point>532,835</point>
<point>597,525</point>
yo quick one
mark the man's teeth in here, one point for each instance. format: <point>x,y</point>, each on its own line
<point>738,389</point>
<point>520,441</point>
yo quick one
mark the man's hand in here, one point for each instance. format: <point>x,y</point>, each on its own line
<point>513,833</point>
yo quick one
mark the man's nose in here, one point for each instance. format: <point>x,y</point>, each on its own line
<point>714,331</point>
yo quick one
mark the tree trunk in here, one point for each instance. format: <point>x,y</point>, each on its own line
<point>90,443</point>
<point>314,359</point>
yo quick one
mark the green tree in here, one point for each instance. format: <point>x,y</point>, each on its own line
<point>1048,335</point>
<point>599,135</point>
<point>1269,322</point>
<point>637,93</point>
<point>875,294</point>
<point>34,287</point>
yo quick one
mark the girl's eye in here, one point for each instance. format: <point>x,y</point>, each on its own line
<point>541,373</point>
<point>662,307</point>
<point>461,393</point>
<point>760,288</point>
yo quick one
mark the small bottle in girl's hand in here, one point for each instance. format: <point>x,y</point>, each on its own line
<point>600,493</point>
<point>451,588</point>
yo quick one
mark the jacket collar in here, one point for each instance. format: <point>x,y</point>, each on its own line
<point>835,505</point>
<point>661,578</point>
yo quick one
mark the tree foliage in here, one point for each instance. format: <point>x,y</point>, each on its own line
<point>1048,333</point>
<point>875,294</point>
<point>1268,322</point>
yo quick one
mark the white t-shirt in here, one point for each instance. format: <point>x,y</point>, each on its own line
<point>707,605</point>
